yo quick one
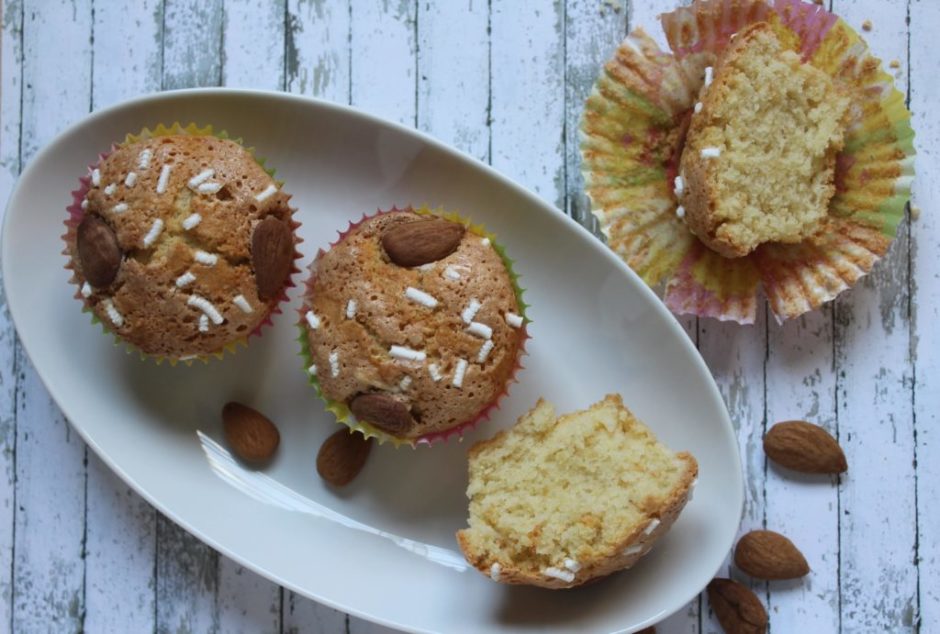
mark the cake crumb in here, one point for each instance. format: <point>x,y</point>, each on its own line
<point>819,2</point>
<point>915,212</point>
<point>895,63</point>
<point>866,25</point>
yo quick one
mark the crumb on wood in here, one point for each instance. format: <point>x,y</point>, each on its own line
<point>915,212</point>
<point>866,25</point>
<point>895,63</point>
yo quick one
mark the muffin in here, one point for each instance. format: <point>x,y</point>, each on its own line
<point>181,243</point>
<point>557,502</point>
<point>413,325</point>
<point>719,232</point>
<point>760,154</point>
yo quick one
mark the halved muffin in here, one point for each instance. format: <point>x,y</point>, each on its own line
<point>760,155</point>
<point>558,501</point>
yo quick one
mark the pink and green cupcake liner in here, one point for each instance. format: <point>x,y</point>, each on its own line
<point>342,412</point>
<point>632,133</point>
<point>76,214</point>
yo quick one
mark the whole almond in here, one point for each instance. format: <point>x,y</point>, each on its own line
<point>342,456</point>
<point>738,610</point>
<point>422,241</point>
<point>98,251</point>
<point>801,446</point>
<point>249,433</point>
<point>383,411</point>
<point>272,251</point>
<point>769,555</point>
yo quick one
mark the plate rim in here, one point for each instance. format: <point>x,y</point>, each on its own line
<point>355,113</point>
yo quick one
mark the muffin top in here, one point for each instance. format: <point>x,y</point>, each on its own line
<point>185,244</point>
<point>413,322</point>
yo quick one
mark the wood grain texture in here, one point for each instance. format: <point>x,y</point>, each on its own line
<point>192,39</point>
<point>878,585</point>
<point>925,306</point>
<point>800,385</point>
<point>527,95</point>
<point>383,45</point>
<point>454,74</point>
<point>592,34</point>
<point>253,44</point>
<point>317,52</point>
<point>49,527</point>
<point>11,85</point>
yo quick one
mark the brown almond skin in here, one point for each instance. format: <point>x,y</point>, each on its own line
<point>342,456</point>
<point>769,555</point>
<point>383,411</point>
<point>804,447</point>
<point>98,251</point>
<point>422,241</point>
<point>738,610</point>
<point>272,251</point>
<point>249,433</point>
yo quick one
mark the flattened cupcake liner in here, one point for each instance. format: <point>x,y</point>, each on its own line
<point>342,412</point>
<point>77,213</point>
<point>633,129</point>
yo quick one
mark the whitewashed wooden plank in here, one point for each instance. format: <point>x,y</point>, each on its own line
<point>592,34</point>
<point>317,54</point>
<point>925,305</point>
<point>736,355</point>
<point>120,531</point>
<point>120,551</point>
<point>187,581</point>
<point>801,386</point>
<point>300,615</point>
<point>192,39</point>
<point>454,74</point>
<point>879,578</point>
<point>253,44</point>
<point>48,569</point>
<point>248,603</point>
<point>383,61</point>
<point>528,95</point>
<point>11,52</point>
<point>127,51</point>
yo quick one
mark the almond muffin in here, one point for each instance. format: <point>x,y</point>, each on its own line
<point>412,325</point>
<point>181,244</point>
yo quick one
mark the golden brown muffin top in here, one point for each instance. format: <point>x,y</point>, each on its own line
<point>442,338</point>
<point>182,212</point>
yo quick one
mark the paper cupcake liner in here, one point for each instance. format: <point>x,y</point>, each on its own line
<point>341,411</point>
<point>76,214</point>
<point>630,184</point>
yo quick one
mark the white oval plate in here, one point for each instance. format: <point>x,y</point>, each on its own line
<point>382,549</point>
